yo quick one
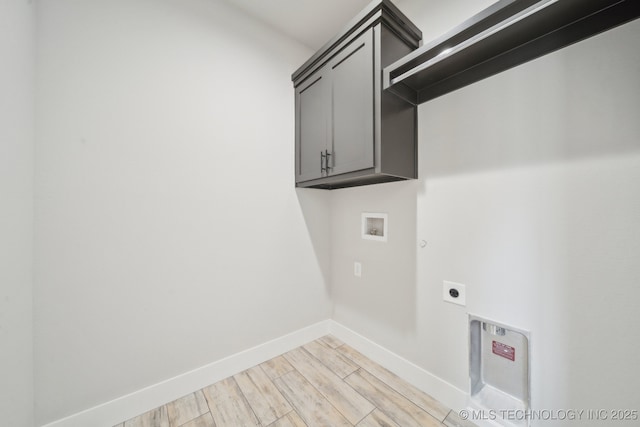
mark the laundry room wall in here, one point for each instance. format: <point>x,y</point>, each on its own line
<point>17,114</point>
<point>170,234</point>
<point>528,195</point>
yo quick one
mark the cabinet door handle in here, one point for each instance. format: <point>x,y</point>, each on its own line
<point>327,155</point>
<point>322,168</point>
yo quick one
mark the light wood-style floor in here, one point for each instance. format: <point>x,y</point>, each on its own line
<point>324,383</point>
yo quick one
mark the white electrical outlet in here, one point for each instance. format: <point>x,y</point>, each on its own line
<point>454,293</point>
<point>357,269</point>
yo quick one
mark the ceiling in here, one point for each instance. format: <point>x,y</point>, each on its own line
<point>311,22</point>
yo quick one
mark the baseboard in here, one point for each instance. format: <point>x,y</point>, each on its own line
<point>123,408</point>
<point>438,388</point>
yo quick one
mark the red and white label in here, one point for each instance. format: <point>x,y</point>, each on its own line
<point>504,350</point>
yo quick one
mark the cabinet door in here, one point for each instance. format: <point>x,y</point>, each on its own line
<point>312,132</point>
<point>352,112</point>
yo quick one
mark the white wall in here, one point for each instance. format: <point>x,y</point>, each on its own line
<point>529,195</point>
<point>17,55</point>
<point>170,234</point>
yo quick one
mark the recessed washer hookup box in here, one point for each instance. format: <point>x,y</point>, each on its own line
<point>499,368</point>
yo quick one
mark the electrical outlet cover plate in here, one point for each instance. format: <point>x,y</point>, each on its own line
<point>461,299</point>
<point>357,269</point>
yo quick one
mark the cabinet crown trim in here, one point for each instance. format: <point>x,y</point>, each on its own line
<point>376,11</point>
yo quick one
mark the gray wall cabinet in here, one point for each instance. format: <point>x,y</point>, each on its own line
<point>348,131</point>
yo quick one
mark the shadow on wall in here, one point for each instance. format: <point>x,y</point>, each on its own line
<point>315,206</point>
<point>529,179</point>
<point>565,106</point>
<point>384,297</point>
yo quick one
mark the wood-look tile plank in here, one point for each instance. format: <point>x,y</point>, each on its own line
<point>330,341</point>
<point>423,400</point>
<point>377,419</point>
<point>265,399</point>
<point>351,404</point>
<point>228,405</point>
<point>402,411</point>
<point>292,419</point>
<point>205,420</point>
<point>276,367</point>
<point>187,408</point>
<point>339,364</point>
<point>312,406</point>
<point>324,383</point>
<point>454,420</point>
<point>154,418</point>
